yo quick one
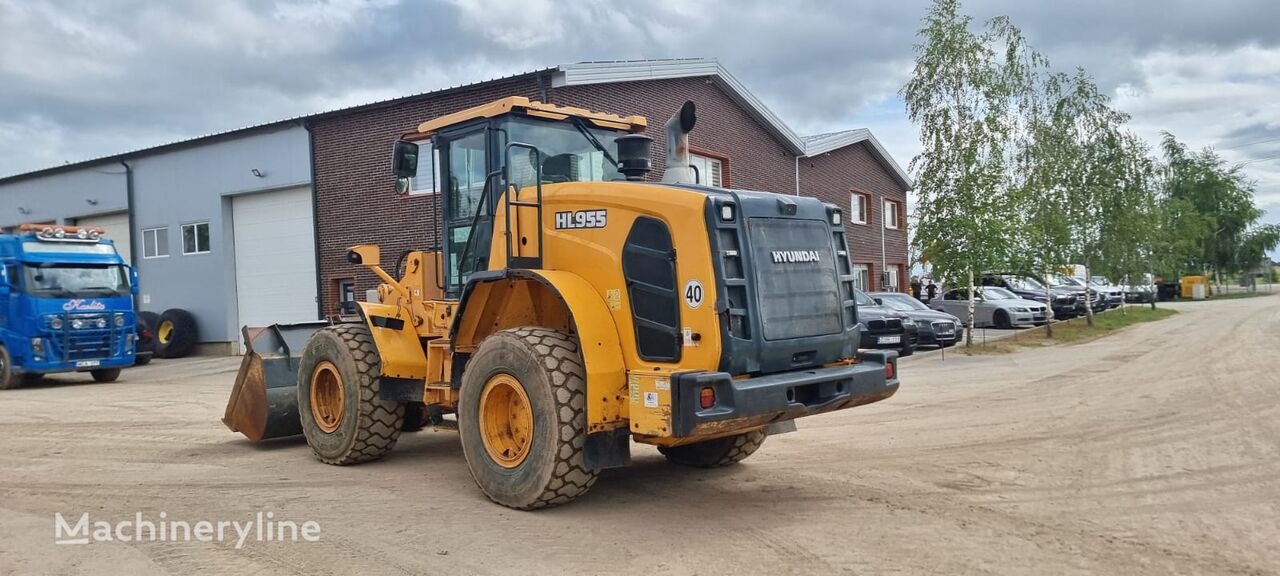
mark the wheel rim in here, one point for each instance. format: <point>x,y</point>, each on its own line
<point>165,332</point>
<point>506,421</point>
<point>328,398</point>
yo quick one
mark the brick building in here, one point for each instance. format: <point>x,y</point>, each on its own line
<point>738,143</point>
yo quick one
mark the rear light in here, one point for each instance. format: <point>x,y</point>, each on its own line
<point>890,371</point>
<point>707,397</point>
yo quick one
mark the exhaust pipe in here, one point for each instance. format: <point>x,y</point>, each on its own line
<point>678,170</point>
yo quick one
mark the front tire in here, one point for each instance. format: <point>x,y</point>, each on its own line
<point>1002,320</point>
<point>343,417</point>
<point>175,333</point>
<point>522,417</point>
<point>715,453</point>
<point>9,378</point>
<point>105,374</point>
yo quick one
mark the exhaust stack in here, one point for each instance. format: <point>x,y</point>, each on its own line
<point>678,170</point>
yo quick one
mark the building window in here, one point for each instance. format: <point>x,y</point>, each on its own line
<point>347,296</point>
<point>155,242</point>
<point>427,181</point>
<point>862,277</point>
<point>858,203</point>
<point>891,214</point>
<point>195,238</point>
<point>892,276</point>
<point>710,171</point>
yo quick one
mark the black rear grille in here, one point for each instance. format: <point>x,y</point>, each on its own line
<point>795,276</point>
<point>649,267</point>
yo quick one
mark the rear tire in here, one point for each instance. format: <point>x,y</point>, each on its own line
<point>348,423</point>
<point>1002,320</point>
<point>526,457</point>
<point>175,334</point>
<point>715,453</point>
<point>9,378</point>
<point>105,374</point>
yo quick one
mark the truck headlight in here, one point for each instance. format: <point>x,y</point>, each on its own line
<point>119,320</point>
<point>101,323</point>
<point>37,346</point>
<point>77,324</point>
<point>55,322</point>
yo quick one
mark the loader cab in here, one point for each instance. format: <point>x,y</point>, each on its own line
<point>466,159</point>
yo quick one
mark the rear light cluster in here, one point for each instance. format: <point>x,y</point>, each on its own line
<point>890,370</point>
<point>707,397</point>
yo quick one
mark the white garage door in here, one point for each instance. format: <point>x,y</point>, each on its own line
<point>275,257</point>
<point>117,227</point>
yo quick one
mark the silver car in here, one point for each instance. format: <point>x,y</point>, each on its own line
<point>992,307</point>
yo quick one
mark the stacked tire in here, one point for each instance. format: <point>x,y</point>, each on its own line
<point>175,333</point>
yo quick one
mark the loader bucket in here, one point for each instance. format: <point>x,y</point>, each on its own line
<point>264,401</point>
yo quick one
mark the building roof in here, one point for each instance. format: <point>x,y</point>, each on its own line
<point>582,73</point>
<point>823,143</point>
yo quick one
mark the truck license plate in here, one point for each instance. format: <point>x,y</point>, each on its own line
<point>86,363</point>
<point>889,339</point>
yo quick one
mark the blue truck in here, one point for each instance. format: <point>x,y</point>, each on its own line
<point>66,304</point>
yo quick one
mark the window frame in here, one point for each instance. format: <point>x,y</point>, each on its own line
<point>893,271</point>
<point>723,159</point>
<point>855,271</point>
<point>208,234</point>
<point>891,207</point>
<point>865,213</point>
<point>155,235</point>
<point>434,159</point>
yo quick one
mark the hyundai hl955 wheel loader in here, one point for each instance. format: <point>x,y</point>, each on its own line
<point>572,307</point>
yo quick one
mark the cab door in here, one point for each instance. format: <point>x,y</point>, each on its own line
<point>468,222</point>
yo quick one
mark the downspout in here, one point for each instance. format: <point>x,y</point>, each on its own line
<point>128,201</point>
<point>315,218</point>
<point>884,261</point>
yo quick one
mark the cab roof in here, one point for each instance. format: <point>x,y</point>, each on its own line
<point>522,105</point>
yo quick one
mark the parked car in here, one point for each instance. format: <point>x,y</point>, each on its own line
<point>1081,290</point>
<point>1065,302</point>
<point>936,328</point>
<point>1112,294</point>
<point>993,306</point>
<point>1144,292</point>
<point>885,328</point>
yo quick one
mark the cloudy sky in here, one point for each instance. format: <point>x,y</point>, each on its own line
<point>84,78</point>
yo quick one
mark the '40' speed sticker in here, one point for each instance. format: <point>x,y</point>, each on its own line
<point>693,294</point>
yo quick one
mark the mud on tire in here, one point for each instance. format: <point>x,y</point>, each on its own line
<point>717,452</point>
<point>369,426</point>
<point>548,365</point>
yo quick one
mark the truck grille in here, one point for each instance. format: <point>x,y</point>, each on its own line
<point>795,277</point>
<point>87,342</point>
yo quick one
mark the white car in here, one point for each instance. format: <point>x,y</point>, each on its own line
<point>1114,294</point>
<point>992,307</point>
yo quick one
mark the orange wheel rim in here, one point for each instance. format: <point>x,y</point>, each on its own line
<point>328,398</point>
<point>506,421</point>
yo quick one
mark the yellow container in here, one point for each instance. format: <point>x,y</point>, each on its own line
<point>1189,283</point>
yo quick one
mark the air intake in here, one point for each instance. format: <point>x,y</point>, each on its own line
<point>633,156</point>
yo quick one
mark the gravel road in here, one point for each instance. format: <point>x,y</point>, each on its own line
<point>1154,451</point>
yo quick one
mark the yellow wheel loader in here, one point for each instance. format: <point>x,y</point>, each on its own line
<point>571,308</point>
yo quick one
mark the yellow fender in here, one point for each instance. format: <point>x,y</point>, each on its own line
<point>501,299</point>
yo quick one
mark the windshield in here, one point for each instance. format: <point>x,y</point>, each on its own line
<point>900,302</point>
<point>992,293</point>
<point>572,151</point>
<point>1023,283</point>
<point>862,299</point>
<point>1064,280</point>
<point>70,281</point>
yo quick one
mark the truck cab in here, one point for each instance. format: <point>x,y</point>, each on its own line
<point>66,304</point>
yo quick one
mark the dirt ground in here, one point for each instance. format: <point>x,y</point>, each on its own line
<point>1154,451</point>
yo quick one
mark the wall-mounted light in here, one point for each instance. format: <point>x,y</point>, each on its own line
<point>23,211</point>
<point>92,201</point>
<point>258,173</point>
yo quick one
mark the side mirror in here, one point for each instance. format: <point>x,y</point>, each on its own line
<point>404,159</point>
<point>879,301</point>
<point>4,280</point>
